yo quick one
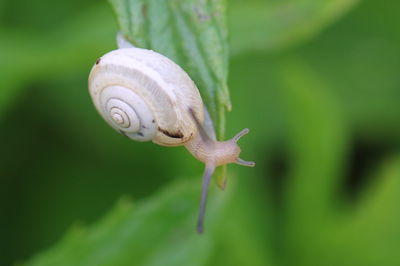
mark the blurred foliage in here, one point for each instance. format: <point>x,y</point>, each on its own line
<point>317,83</point>
<point>132,235</point>
<point>269,25</point>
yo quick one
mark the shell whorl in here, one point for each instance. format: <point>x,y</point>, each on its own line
<point>145,96</point>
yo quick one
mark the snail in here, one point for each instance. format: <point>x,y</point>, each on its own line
<point>147,97</point>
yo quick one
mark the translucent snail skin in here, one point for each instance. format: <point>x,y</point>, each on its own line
<point>146,96</point>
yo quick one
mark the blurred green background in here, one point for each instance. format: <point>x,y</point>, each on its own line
<point>318,84</point>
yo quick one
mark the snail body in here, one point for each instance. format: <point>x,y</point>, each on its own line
<point>146,96</point>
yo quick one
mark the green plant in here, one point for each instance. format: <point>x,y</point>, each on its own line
<point>315,81</point>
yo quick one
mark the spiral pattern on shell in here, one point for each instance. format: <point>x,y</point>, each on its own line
<point>145,96</point>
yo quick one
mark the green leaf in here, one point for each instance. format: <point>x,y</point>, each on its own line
<point>317,136</point>
<point>158,231</point>
<point>190,32</point>
<point>317,139</point>
<point>272,25</point>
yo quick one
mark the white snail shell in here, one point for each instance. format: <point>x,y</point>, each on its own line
<point>145,96</point>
